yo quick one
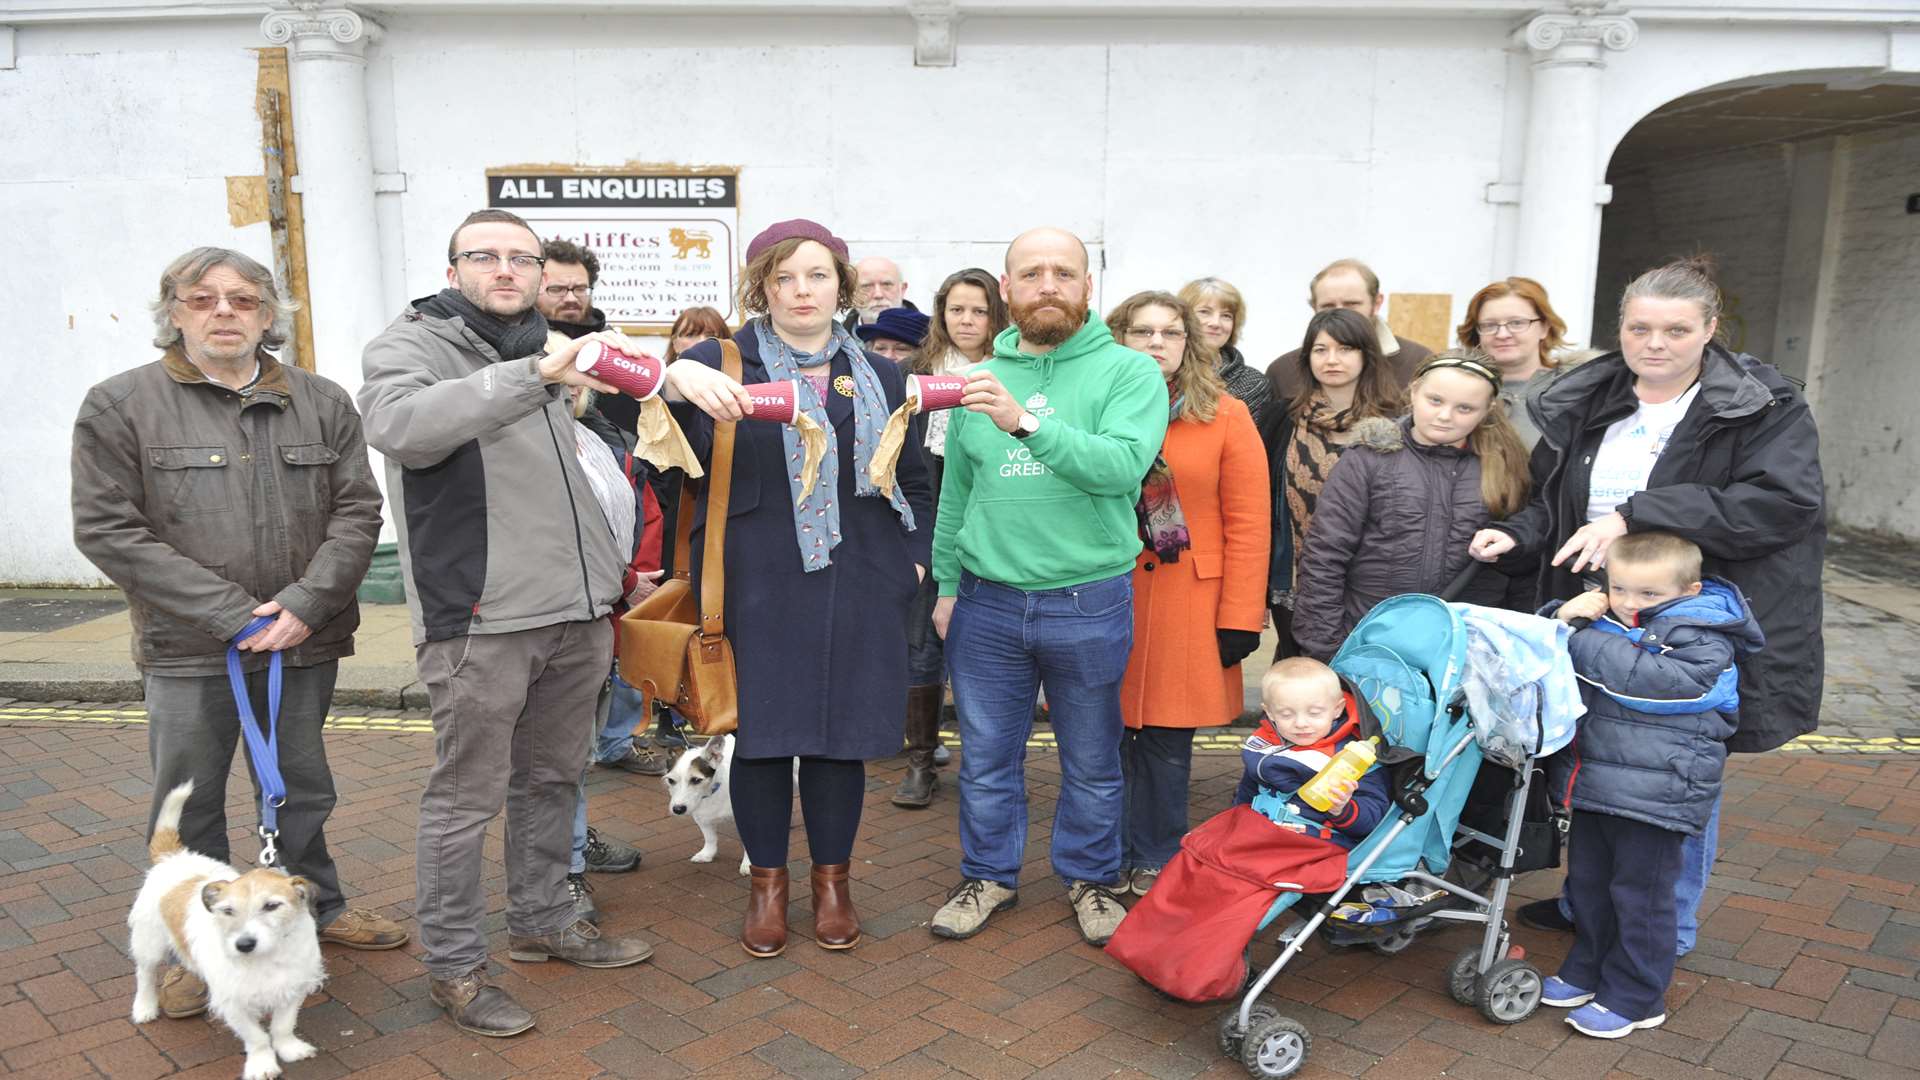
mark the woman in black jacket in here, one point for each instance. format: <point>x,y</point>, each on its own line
<point>1676,434</point>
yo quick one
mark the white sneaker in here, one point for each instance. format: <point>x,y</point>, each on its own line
<point>968,907</point>
<point>1098,909</point>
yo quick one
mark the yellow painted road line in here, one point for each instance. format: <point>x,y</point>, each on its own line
<point>1215,741</point>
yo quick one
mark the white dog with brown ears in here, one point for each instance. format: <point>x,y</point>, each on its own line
<point>250,936</point>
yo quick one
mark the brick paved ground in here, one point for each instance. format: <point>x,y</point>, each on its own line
<point>1806,967</point>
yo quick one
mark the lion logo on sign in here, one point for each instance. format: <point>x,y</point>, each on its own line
<point>685,241</point>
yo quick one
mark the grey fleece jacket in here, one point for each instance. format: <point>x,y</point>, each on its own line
<point>499,530</point>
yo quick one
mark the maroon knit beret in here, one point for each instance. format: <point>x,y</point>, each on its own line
<point>796,229</point>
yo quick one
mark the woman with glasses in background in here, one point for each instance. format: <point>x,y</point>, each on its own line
<point>1198,600</point>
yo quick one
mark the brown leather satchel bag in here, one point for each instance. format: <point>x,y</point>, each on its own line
<point>673,648</point>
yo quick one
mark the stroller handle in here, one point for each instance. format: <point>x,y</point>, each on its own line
<point>1460,581</point>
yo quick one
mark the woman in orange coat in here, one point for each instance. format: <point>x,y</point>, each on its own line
<point>1199,586</point>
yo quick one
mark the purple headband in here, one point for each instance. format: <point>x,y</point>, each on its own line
<point>796,229</point>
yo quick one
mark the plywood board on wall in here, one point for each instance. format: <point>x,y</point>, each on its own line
<point>1423,317</point>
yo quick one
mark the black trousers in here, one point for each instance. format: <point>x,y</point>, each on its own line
<point>1620,882</point>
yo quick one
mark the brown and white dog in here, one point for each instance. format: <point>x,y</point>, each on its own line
<point>250,936</point>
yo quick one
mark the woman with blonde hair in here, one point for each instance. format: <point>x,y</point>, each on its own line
<point>1400,507</point>
<point>1221,312</point>
<point>1198,600</point>
<point>1512,322</point>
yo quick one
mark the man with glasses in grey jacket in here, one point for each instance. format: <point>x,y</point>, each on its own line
<point>510,575</point>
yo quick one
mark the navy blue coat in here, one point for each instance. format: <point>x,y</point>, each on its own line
<point>1662,701</point>
<point>822,656</point>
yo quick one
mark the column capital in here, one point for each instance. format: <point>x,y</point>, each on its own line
<point>1578,34</point>
<point>318,33</point>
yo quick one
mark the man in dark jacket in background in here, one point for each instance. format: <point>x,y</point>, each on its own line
<point>217,486</point>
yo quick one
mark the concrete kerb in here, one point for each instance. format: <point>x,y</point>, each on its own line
<point>60,682</point>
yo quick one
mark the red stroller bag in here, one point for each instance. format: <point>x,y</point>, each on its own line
<point>1188,935</point>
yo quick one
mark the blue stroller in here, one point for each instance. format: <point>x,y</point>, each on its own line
<point>1406,661</point>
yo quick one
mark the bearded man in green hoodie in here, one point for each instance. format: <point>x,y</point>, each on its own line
<point>1033,550</point>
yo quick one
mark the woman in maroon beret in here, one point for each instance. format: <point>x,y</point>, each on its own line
<point>817,585</point>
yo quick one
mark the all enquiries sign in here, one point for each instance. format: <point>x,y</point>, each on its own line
<point>667,240</point>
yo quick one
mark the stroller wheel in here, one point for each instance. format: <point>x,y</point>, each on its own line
<point>1509,992</point>
<point>1230,1034</point>
<point>1462,974</point>
<point>1393,944</point>
<point>1276,1048</point>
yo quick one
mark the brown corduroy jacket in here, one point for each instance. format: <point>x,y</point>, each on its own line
<point>202,503</point>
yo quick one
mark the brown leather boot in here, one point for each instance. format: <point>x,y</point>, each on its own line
<point>474,1005</point>
<point>835,924</point>
<point>764,933</point>
<point>924,704</point>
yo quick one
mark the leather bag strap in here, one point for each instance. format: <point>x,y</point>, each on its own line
<point>713,587</point>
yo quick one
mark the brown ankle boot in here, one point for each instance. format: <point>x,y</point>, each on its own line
<point>835,924</point>
<point>924,704</point>
<point>764,933</point>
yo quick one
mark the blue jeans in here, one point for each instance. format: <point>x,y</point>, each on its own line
<point>1003,645</point>
<point>1158,765</point>
<point>1696,862</point>
<point>616,714</point>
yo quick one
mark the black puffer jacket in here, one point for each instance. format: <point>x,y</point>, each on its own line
<point>1395,517</point>
<point>1661,704</point>
<point>1740,477</point>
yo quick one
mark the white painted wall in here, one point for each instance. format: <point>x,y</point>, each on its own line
<point>1868,384</point>
<point>1733,206</point>
<point>1257,149</point>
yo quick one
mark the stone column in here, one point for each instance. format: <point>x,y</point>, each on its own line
<point>1563,189</point>
<point>327,70</point>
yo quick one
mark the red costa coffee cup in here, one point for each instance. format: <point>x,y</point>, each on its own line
<point>773,401</point>
<point>636,374</point>
<point>939,391</point>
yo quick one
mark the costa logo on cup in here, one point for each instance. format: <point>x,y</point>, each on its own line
<point>773,401</point>
<point>939,391</point>
<point>637,375</point>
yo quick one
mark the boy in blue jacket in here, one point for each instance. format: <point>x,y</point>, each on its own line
<point>1309,718</point>
<point>1655,655</point>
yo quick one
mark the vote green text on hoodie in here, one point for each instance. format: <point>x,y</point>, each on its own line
<point>1056,508</point>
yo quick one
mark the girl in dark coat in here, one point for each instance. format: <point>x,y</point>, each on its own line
<point>1721,451</point>
<point>1400,505</point>
<point>817,588</point>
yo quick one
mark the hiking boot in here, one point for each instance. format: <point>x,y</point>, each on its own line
<point>1545,915</point>
<point>583,905</point>
<point>641,760</point>
<point>1142,879</point>
<point>969,906</point>
<point>182,994</point>
<point>609,856</point>
<point>476,1006</point>
<point>1098,909</point>
<point>579,944</point>
<point>358,928</point>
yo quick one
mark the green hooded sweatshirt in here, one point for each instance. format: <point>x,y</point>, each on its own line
<point>1054,509</point>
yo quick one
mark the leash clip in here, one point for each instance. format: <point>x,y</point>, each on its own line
<point>269,852</point>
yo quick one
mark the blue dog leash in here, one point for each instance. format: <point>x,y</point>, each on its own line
<point>263,749</point>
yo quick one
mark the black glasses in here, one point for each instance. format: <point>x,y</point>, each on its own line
<point>1511,326</point>
<point>560,292</point>
<point>487,260</point>
<point>1146,333</point>
<point>209,301</point>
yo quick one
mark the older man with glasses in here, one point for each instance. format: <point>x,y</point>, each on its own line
<point>510,573</point>
<point>217,486</point>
